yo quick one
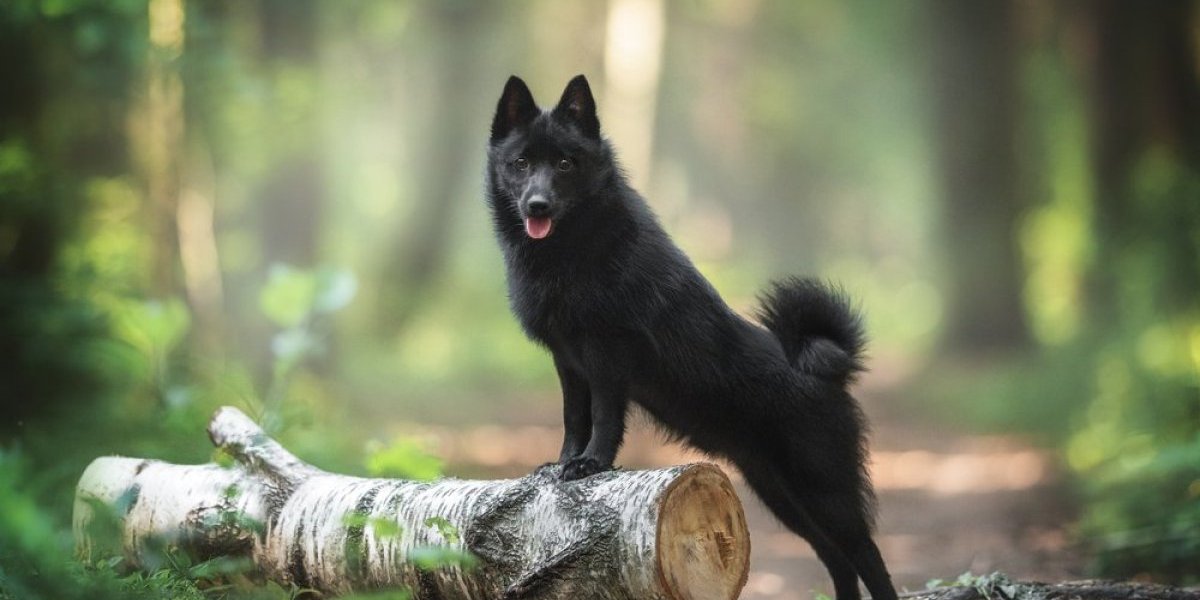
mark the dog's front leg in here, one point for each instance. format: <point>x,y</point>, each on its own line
<point>577,411</point>
<point>609,404</point>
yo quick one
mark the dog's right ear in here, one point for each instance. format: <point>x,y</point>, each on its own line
<point>516,108</point>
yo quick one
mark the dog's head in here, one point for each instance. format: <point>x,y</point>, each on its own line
<point>543,164</point>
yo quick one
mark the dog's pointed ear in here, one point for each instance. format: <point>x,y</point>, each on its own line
<point>516,108</point>
<point>579,108</point>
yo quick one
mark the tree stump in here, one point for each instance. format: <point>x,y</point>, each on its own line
<point>675,533</point>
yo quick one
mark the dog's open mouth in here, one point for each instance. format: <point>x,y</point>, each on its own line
<point>538,227</point>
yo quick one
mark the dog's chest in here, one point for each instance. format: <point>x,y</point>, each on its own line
<point>543,304</point>
<point>560,303</point>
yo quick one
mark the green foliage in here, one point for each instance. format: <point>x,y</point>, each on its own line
<point>34,553</point>
<point>33,548</point>
<point>435,556</point>
<point>382,527</point>
<point>429,558</point>
<point>1136,449</point>
<point>389,595</point>
<point>445,528</point>
<point>299,301</point>
<point>1124,412</point>
<point>154,328</point>
<point>402,459</point>
<point>425,557</point>
<point>293,296</point>
<point>993,586</point>
<point>385,528</point>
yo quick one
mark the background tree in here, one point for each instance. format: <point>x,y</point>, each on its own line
<point>975,112</point>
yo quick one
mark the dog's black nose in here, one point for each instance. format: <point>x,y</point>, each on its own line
<point>537,206</point>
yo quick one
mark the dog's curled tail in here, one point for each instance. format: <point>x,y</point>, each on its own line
<point>820,331</point>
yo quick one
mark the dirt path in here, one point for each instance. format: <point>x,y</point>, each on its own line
<point>949,502</point>
<point>989,505</point>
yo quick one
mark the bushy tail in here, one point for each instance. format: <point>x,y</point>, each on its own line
<point>820,331</point>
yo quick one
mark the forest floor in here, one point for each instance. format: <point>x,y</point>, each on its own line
<point>949,501</point>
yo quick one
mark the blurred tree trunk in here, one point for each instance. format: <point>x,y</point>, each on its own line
<point>294,192</point>
<point>633,52</point>
<point>293,195</point>
<point>156,131</point>
<point>261,58</point>
<point>1145,121</point>
<point>195,193</point>
<point>196,227</point>
<point>975,112</point>
<point>450,141</point>
<point>713,132</point>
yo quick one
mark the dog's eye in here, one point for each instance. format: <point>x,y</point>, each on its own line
<point>565,164</point>
<point>521,163</point>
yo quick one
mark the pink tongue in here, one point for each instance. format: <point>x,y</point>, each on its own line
<point>537,227</point>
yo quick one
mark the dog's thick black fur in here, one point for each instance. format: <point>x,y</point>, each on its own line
<point>593,277</point>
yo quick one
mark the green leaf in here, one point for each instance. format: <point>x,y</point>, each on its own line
<point>385,595</point>
<point>291,345</point>
<point>223,457</point>
<point>432,557</point>
<point>354,519</point>
<point>288,296</point>
<point>59,8</point>
<point>154,327</point>
<point>385,528</point>
<point>221,566</point>
<point>447,529</point>
<point>382,527</point>
<point>335,288</point>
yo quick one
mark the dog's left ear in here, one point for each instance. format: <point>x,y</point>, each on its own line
<point>579,108</point>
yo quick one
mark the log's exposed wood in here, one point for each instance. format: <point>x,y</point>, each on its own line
<point>675,533</point>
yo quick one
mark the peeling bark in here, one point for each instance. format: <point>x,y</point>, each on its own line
<point>1005,589</point>
<point>670,533</point>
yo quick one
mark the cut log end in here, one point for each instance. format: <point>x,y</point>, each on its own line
<point>703,549</point>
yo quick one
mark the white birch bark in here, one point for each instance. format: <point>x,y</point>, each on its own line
<point>671,533</point>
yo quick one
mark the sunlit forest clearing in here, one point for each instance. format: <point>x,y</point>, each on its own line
<point>277,205</point>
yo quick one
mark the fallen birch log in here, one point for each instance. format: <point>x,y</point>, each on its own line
<point>675,533</point>
<point>998,585</point>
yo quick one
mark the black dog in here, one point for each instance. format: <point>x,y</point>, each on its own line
<point>594,278</point>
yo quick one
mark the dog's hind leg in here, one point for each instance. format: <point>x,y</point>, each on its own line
<point>844,517</point>
<point>873,570</point>
<point>771,489</point>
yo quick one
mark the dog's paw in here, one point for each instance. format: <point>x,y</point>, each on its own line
<point>580,467</point>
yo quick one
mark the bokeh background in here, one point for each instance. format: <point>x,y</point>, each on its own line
<point>277,204</point>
